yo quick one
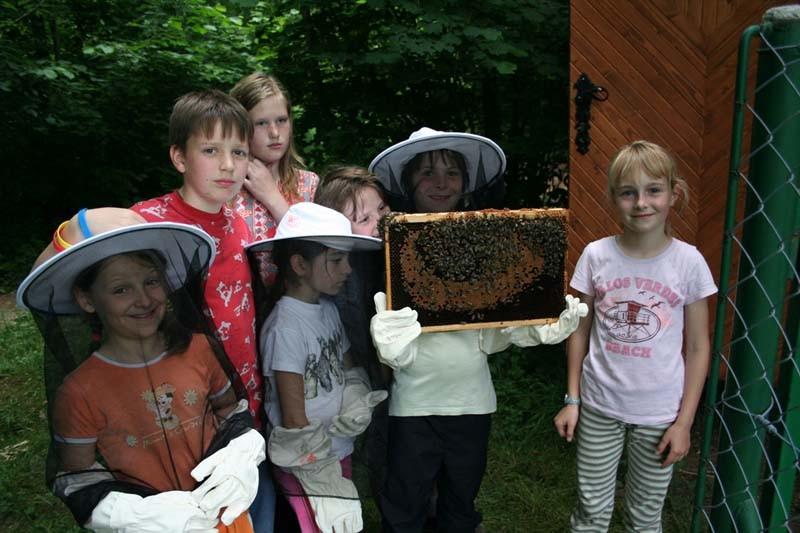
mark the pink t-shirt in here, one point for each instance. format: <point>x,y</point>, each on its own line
<point>263,225</point>
<point>260,221</point>
<point>228,292</point>
<point>635,367</point>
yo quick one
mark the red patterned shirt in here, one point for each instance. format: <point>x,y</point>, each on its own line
<point>228,292</point>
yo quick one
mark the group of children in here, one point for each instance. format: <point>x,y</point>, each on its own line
<point>181,394</point>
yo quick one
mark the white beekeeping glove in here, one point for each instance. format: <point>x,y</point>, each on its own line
<point>168,512</point>
<point>550,333</point>
<point>358,401</point>
<point>232,474</point>
<point>306,453</point>
<point>394,333</point>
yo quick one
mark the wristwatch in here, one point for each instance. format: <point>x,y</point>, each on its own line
<point>571,400</point>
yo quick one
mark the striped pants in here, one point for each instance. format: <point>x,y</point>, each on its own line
<point>600,441</point>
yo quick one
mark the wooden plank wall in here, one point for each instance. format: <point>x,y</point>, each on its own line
<point>669,68</point>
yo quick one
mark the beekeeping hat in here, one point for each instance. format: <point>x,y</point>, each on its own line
<point>128,398</point>
<point>485,159</point>
<point>312,222</point>
<point>48,288</point>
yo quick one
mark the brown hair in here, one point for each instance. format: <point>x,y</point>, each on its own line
<point>449,157</point>
<point>282,254</point>
<point>202,111</point>
<point>339,187</point>
<point>250,91</point>
<point>177,335</point>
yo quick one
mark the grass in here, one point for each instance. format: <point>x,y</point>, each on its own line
<point>529,485</point>
<point>26,504</point>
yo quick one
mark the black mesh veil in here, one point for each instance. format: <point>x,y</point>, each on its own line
<point>355,307</point>
<point>138,389</point>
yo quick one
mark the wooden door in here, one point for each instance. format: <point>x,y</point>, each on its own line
<point>668,67</point>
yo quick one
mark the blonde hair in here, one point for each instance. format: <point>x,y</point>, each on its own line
<point>252,90</point>
<point>339,187</point>
<point>652,159</point>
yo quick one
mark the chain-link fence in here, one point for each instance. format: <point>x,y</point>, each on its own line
<point>749,454</point>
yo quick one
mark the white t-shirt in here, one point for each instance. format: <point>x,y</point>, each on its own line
<point>450,376</point>
<point>635,367</point>
<point>307,339</point>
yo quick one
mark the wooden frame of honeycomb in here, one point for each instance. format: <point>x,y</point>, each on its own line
<point>477,269</point>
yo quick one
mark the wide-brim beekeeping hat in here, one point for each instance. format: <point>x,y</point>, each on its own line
<point>312,222</point>
<point>49,287</point>
<point>485,159</point>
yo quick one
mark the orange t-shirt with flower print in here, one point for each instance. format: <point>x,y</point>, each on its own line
<point>144,418</point>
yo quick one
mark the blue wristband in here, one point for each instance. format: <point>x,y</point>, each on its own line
<point>85,231</point>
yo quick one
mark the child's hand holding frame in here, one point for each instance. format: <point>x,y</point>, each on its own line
<point>394,333</point>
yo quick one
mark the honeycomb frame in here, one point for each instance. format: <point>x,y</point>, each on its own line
<point>514,273</point>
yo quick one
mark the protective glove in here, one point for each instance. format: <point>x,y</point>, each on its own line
<point>394,333</point>
<point>550,333</point>
<point>358,401</point>
<point>306,453</point>
<point>168,512</point>
<point>493,340</point>
<point>232,476</point>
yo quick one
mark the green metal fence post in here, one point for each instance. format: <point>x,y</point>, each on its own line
<point>769,217</point>
<point>776,504</point>
<point>739,103</point>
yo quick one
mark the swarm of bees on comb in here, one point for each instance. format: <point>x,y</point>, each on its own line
<point>469,269</point>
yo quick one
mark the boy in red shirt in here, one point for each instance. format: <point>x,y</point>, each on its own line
<point>209,134</point>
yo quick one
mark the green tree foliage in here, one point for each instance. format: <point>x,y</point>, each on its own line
<point>87,87</point>
<point>85,95</point>
<point>370,72</point>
